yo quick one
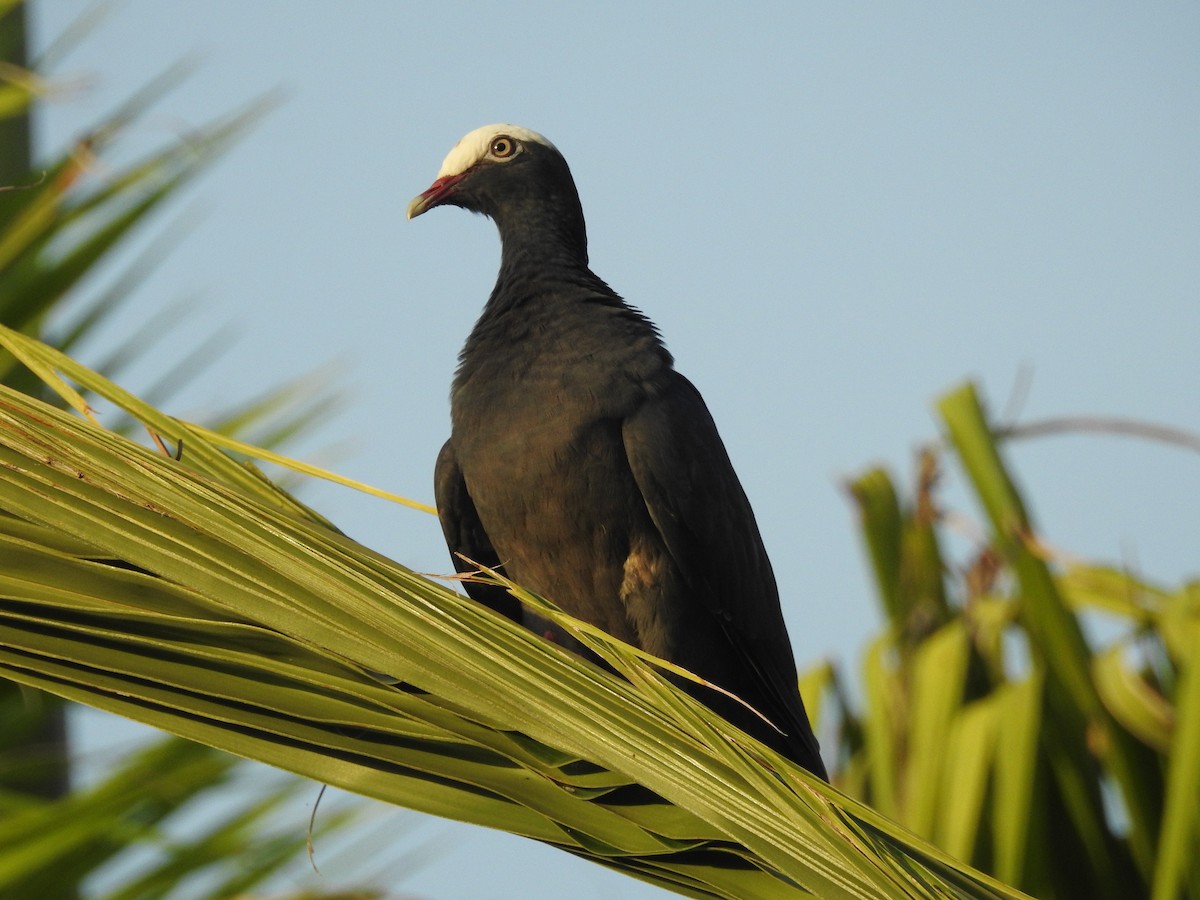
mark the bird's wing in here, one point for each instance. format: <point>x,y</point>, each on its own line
<point>698,506</point>
<point>465,534</point>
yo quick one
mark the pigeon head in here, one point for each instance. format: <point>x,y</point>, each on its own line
<point>518,179</point>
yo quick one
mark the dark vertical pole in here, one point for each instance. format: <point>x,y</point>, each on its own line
<point>16,147</point>
<point>33,734</point>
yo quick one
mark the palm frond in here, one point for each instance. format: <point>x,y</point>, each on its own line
<point>241,620</point>
<point>993,724</point>
<point>59,224</point>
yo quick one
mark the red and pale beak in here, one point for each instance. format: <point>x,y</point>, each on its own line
<point>436,195</point>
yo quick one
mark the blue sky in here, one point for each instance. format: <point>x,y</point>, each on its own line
<point>834,212</point>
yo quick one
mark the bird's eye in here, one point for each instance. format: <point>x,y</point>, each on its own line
<point>503,147</point>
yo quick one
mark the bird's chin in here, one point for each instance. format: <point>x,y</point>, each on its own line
<point>437,193</point>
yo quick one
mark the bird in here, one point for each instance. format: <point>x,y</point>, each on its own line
<point>583,466</point>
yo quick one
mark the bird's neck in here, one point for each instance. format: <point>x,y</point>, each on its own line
<point>542,237</point>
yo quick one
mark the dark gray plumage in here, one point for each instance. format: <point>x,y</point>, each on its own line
<point>589,470</point>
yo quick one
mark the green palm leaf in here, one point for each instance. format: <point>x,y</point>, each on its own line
<point>58,224</point>
<point>997,720</point>
<point>249,624</point>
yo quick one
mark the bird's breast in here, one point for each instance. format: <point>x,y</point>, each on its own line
<point>543,458</point>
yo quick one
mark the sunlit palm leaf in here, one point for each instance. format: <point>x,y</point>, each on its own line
<point>259,631</point>
<point>58,223</point>
<point>1005,734</point>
